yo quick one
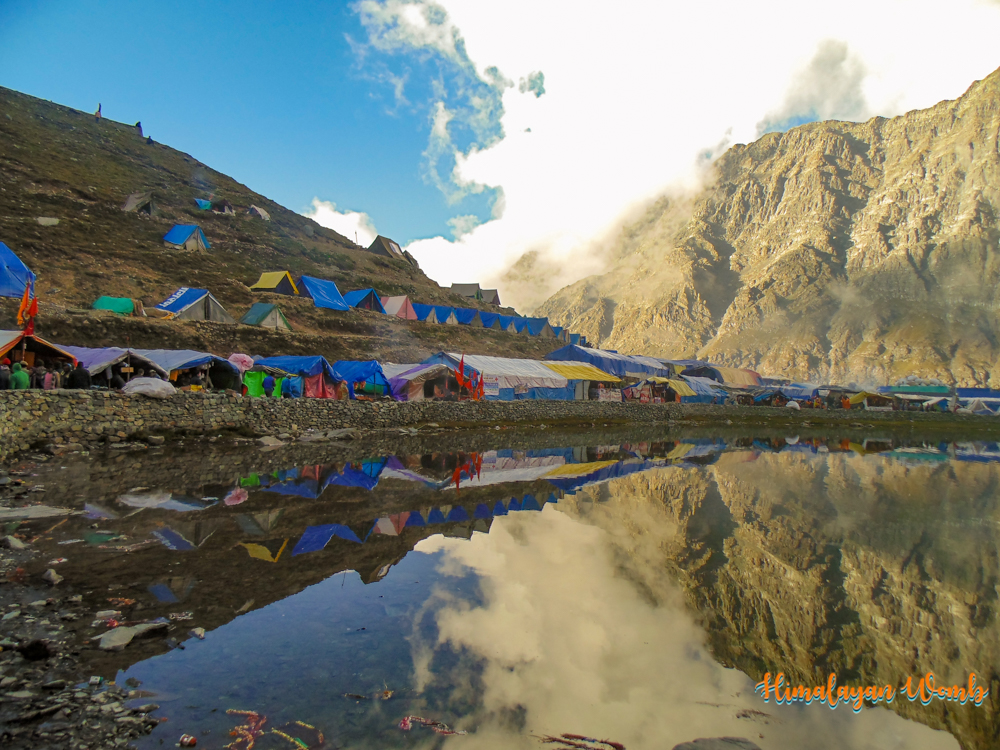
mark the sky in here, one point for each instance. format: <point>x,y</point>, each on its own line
<point>472,132</point>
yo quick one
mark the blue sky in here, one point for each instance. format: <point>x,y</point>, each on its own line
<point>272,94</point>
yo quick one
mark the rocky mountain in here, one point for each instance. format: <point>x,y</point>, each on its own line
<point>835,251</point>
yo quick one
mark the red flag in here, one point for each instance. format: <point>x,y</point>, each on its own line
<point>460,375</point>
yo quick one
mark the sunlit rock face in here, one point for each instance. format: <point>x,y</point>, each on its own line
<point>834,251</point>
<point>872,569</point>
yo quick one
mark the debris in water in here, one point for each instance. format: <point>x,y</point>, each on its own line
<point>581,742</point>
<point>407,722</point>
<point>52,577</point>
<point>252,729</point>
<point>188,740</point>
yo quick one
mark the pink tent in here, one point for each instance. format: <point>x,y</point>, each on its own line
<point>401,307</point>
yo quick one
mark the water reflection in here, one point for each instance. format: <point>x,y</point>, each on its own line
<point>633,592</point>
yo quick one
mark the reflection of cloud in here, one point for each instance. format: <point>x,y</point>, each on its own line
<point>347,223</point>
<point>564,635</point>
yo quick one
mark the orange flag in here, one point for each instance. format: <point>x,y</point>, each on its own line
<point>24,304</point>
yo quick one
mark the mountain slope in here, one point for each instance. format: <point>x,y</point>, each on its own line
<point>834,251</point>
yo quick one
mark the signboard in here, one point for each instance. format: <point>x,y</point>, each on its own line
<point>609,394</point>
<point>520,390</point>
<point>491,387</point>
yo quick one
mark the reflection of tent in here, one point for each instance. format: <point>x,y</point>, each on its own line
<point>259,212</point>
<point>386,247</point>
<point>96,360</point>
<point>14,274</point>
<point>323,293</point>
<point>258,524</point>
<point>120,305</point>
<point>195,304</point>
<point>268,551</point>
<point>142,203</point>
<point>164,501</point>
<point>276,282</point>
<point>186,237</point>
<point>365,299</point>
<point>316,538</point>
<point>400,307</point>
<point>266,315</point>
<point>11,342</point>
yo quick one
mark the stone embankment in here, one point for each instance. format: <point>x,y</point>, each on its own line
<point>32,419</point>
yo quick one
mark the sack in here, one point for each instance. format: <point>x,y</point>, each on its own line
<point>152,387</point>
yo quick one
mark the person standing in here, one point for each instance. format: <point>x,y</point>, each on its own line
<point>5,375</point>
<point>268,385</point>
<point>19,378</point>
<point>79,378</point>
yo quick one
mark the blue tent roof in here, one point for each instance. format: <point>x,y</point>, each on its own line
<point>360,295</point>
<point>465,316</point>
<point>520,324</point>
<point>180,233</point>
<point>574,339</point>
<point>536,325</point>
<point>14,274</point>
<point>358,372</point>
<point>354,477</point>
<point>505,321</point>
<point>617,364</point>
<point>203,204</point>
<point>422,311</point>
<point>182,359</point>
<point>488,318</point>
<point>443,312</point>
<point>307,366</point>
<point>323,293</point>
<point>557,330</point>
<point>182,299</point>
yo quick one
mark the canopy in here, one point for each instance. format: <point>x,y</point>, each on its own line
<point>467,317</point>
<point>266,315</point>
<point>305,366</point>
<point>323,293</point>
<point>14,274</point>
<point>581,371</point>
<point>680,387</point>
<point>279,282</point>
<point>365,299</point>
<point>504,322</point>
<point>408,385</point>
<point>705,389</point>
<point>359,372</point>
<point>96,360</point>
<point>168,360</point>
<point>612,362</point>
<point>180,234</point>
<point>489,319</point>
<point>445,315</point>
<point>12,339</point>
<point>799,391</point>
<point>539,327</point>
<point>727,375</point>
<point>400,307</point>
<point>423,312</point>
<point>510,373</point>
<point>391,371</point>
<point>120,305</point>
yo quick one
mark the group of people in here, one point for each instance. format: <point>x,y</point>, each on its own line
<point>19,376</point>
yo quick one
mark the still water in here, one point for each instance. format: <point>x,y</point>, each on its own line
<point>631,593</point>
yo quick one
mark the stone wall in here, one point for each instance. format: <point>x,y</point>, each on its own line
<point>36,418</point>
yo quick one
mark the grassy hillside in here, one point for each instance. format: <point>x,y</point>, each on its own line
<point>60,163</point>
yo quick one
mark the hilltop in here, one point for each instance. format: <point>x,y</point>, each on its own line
<point>835,251</point>
<point>60,163</point>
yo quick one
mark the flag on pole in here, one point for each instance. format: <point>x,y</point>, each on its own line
<point>24,303</point>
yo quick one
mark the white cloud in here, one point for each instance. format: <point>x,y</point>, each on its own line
<point>462,225</point>
<point>351,224</point>
<point>634,93</point>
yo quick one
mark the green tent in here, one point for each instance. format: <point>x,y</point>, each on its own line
<point>120,305</point>
<point>267,315</point>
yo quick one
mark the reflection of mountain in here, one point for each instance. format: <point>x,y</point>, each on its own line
<point>874,569</point>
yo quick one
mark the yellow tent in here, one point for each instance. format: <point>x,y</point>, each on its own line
<point>581,371</point>
<point>680,387</point>
<point>260,552</point>
<point>577,470</point>
<point>279,282</point>
<point>737,376</point>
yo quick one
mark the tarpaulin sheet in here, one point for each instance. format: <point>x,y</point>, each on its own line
<point>307,366</point>
<point>182,299</point>
<point>367,299</point>
<point>465,316</point>
<point>14,274</point>
<point>120,305</point>
<point>182,359</point>
<point>422,311</point>
<point>509,373</point>
<point>324,293</point>
<point>316,538</point>
<point>359,372</point>
<point>317,386</point>
<point>443,314</point>
<point>612,362</point>
<point>96,360</point>
<point>581,371</point>
<point>180,233</point>
<point>488,319</point>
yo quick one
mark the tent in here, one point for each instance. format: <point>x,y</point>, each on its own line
<point>120,305</point>
<point>707,391</point>
<point>580,375</point>
<point>386,247</point>
<point>97,360</point>
<point>304,366</point>
<point>491,296</point>
<point>259,212</point>
<point>323,293</point>
<point>186,237</point>
<point>223,206</point>
<point>11,343</point>
<point>539,327</point>
<point>141,203</point>
<point>489,319</point>
<point>194,304</point>
<point>173,361</point>
<point>203,204</point>
<point>728,375</point>
<point>612,362</point>
<point>400,307</point>
<point>365,299</point>
<point>445,315</point>
<point>354,373</point>
<point>14,274</point>
<point>472,291</point>
<point>276,282</point>
<point>467,317</point>
<point>266,315</point>
<point>412,383</point>
<point>423,312</point>
<point>509,379</point>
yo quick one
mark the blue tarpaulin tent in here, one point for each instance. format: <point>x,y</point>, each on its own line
<point>489,320</point>
<point>323,293</point>
<point>203,204</point>
<point>467,317</point>
<point>305,366</point>
<point>360,372</point>
<point>195,304</point>
<point>183,359</point>
<point>316,538</point>
<point>366,299</point>
<point>538,326</point>
<point>612,362</point>
<point>97,360</point>
<point>444,314</point>
<point>14,274</point>
<point>422,311</point>
<point>188,236</point>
